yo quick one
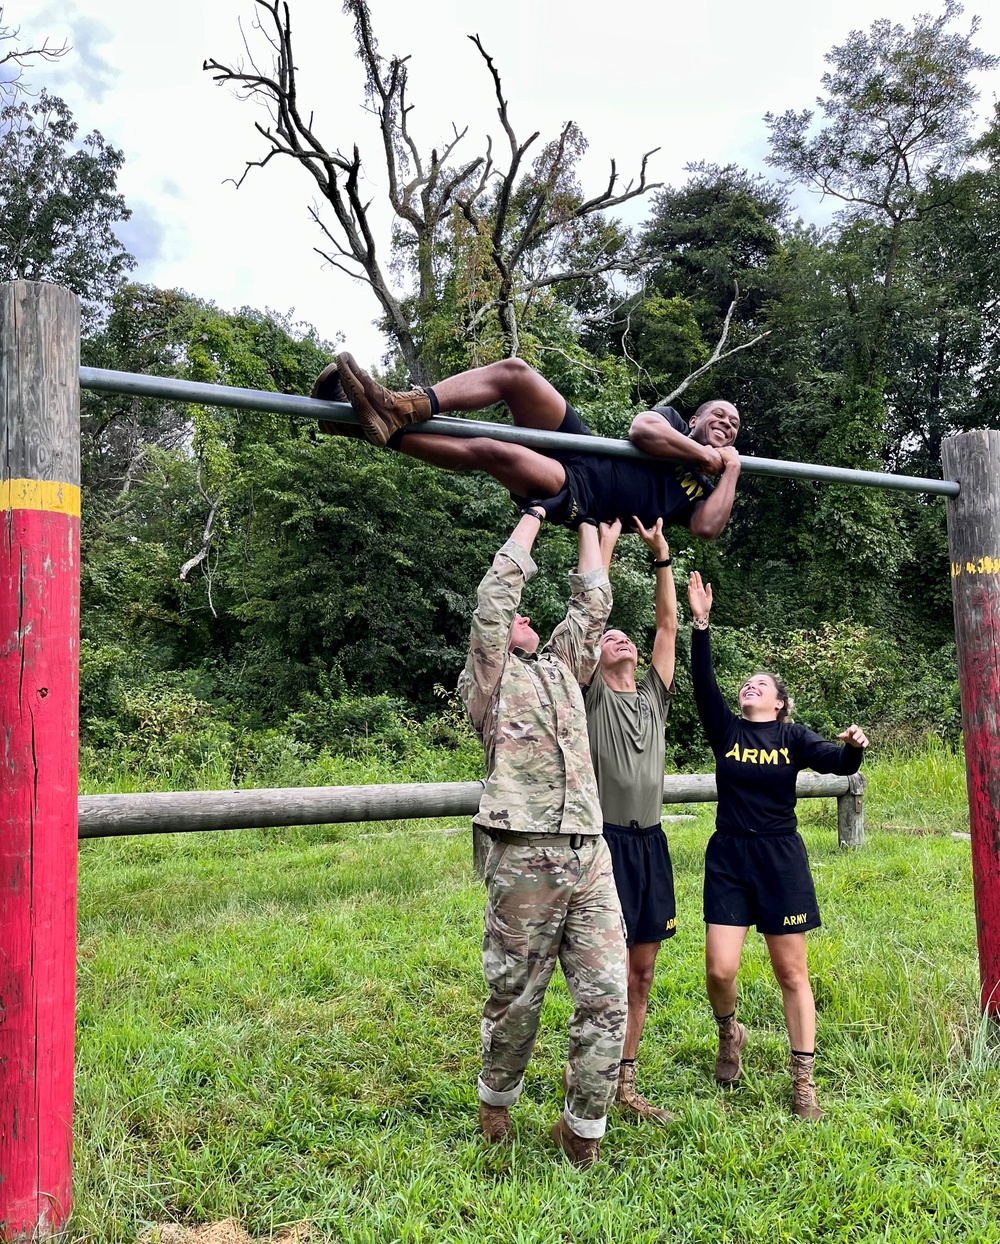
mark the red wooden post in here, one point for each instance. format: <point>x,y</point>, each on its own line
<point>39,675</point>
<point>974,543</point>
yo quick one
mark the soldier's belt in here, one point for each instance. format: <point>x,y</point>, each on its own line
<point>539,840</point>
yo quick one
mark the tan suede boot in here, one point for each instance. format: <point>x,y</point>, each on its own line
<point>581,1150</point>
<point>804,1102</point>
<point>728,1064</point>
<point>380,411</point>
<point>629,1098</point>
<point>494,1123</point>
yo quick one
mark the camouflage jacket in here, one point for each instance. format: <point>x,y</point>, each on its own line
<point>528,710</point>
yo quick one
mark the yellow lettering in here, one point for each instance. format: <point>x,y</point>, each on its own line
<point>786,921</point>
<point>798,919</point>
<point>749,755</point>
<point>734,752</point>
<point>784,752</point>
<point>768,758</point>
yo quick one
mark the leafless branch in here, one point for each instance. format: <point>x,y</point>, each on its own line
<point>206,540</point>
<point>19,56</point>
<point>718,354</point>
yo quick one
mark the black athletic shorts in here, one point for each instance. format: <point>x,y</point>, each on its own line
<point>763,881</point>
<point>605,488</point>
<point>644,878</point>
<point>578,467</point>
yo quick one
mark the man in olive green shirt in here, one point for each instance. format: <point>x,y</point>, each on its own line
<point>626,724</point>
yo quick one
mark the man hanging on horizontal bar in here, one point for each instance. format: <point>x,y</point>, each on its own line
<point>568,486</point>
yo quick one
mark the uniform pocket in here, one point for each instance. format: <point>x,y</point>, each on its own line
<point>505,955</point>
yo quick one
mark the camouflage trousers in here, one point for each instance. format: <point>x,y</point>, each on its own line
<point>547,903</point>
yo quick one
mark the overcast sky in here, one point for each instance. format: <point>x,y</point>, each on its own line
<point>692,79</point>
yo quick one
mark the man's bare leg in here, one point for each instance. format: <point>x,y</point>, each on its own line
<point>522,471</point>
<point>532,401</point>
<point>640,961</point>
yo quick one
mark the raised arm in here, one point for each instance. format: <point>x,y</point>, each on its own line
<point>609,538</point>
<point>575,639</point>
<point>713,710</point>
<point>709,517</point>
<point>665,640</point>
<point>496,604</point>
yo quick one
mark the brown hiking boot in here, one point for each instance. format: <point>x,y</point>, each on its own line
<point>629,1097</point>
<point>581,1150</point>
<point>728,1064</point>
<point>804,1102</point>
<point>380,411</point>
<point>494,1123</point>
<point>329,389</point>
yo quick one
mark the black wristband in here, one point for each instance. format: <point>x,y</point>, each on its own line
<point>661,564</point>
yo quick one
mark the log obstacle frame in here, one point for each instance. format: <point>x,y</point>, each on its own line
<point>40,380</point>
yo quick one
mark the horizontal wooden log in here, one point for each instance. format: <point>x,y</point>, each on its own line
<point>185,812</point>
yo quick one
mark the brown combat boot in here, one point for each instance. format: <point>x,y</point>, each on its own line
<point>728,1064</point>
<point>494,1123</point>
<point>581,1150</point>
<point>804,1102</point>
<point>329,389</point>
<point>380,411</point>
<point>629,1098</point>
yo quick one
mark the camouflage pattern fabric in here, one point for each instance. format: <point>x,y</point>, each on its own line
<point>528,710</point>
<point>548,903</point>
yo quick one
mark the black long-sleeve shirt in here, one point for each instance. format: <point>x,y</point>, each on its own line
<point>757,762</point>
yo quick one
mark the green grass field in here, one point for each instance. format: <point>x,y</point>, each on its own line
<point>282,1027</point>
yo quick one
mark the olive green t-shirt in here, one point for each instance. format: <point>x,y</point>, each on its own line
<point>627,747</point>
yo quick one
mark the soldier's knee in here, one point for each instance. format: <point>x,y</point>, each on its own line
<point>640,979</point>
<point>512,374</point>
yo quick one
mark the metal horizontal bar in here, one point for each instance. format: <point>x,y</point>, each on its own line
<point>185,812</point>
<point>103,381</point>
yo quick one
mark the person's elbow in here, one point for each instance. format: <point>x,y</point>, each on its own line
<point>645,431</point>
<point>706,525</point>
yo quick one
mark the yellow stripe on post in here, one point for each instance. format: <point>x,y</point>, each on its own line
<point>40,494</point>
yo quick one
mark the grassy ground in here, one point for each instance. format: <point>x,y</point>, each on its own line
<point>283,1027</point>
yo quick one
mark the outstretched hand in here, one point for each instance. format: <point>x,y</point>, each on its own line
<point>854,736</point>
<point>700,597</point>
<point>653,538</point>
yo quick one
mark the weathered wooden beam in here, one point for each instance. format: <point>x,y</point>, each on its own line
<point>973,460</point>
<point>193,811</point>
<point>39,661</point>
<point>851,813</point>
<point>187,812</point>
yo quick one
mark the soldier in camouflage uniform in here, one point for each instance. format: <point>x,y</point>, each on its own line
<point>551,891</point>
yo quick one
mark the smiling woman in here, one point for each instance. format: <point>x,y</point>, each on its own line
<point>756,868</point>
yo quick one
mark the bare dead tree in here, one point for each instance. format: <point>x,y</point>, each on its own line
<point>423,190</point>
<point>16,56</point>
<point>513,237</point>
